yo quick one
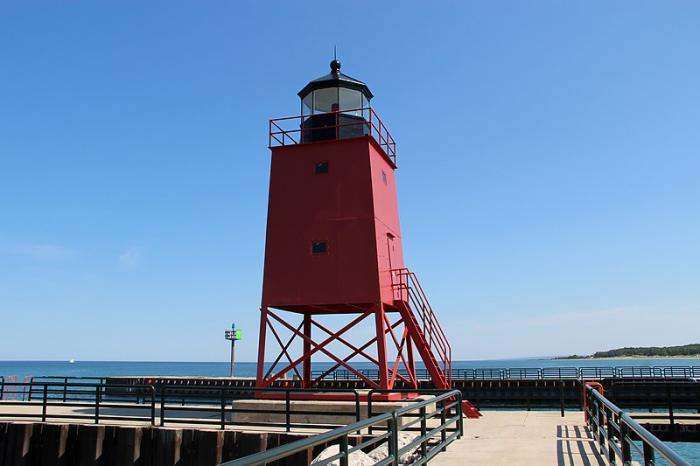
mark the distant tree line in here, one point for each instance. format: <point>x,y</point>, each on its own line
<point>683,350</point>
<point>643,351</point>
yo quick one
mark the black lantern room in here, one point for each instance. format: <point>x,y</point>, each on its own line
<point>334,106</point>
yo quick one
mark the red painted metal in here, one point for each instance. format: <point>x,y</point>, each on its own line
<point>469,410</point>
<point>334,283</point>
<point>595,385</point>
<point>431,342</point>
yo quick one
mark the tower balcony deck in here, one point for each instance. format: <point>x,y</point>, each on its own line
<point>342,124</point>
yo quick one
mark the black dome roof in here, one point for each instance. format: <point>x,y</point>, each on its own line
<point>335,79</point>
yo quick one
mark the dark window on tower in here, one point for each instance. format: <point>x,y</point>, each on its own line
<point>384,176</point>
<point>321,168</point>
<point>319,247</point>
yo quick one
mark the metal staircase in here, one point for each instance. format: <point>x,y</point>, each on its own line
<point>423,327</point>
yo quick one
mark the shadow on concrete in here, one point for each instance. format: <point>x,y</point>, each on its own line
<point>576,446</point>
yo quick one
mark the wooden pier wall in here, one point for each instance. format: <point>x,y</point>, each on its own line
<point>41,444</point>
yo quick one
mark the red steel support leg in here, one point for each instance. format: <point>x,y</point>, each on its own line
<point>261,347</point>
<point>306,382</point>
<point>381,348</point>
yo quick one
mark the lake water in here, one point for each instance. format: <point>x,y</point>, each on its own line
<point>247,369</point>
<point>690,451</point>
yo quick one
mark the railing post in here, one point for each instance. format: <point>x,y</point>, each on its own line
<point>357,409</point>
<point>287,409</point>
<point>423,432</point>
<point>162,406</point>
<point>223,410</point>
<point>393,439</point>
<point>671,419</point>
<point>371,129</point>
<point>344,450</point>
<point>624,444</point>
<point>529,394</point>
<point>648,454</point>
<point>610,437</point>
<point>153,405</point>
<point>461,415</point>
<point>97,404</point>
<point>443,434</point>
<point>561,396</point>
<point>301,128</point>
<point>43,403</point>
<point>600,427</point>
<point>65,388</point>
<point>369,410</point>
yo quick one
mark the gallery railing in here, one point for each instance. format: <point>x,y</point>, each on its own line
<point>343,124</point>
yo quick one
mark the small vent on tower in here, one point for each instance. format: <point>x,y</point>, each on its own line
<point>319,247</point>
<point>321,168</point>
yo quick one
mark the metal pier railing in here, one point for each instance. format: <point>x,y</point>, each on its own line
<point>615,432</point>
<point>438,422</point>
<point>165,405</point>
<point>542,373</point>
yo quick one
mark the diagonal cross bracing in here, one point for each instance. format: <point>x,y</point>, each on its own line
<point>399,354</point>
<point>354,353</point>
<point>321,347</point>
<point>347,343</point>
<point>284,349</point>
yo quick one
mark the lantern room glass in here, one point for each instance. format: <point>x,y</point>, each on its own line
<point>334,99</point>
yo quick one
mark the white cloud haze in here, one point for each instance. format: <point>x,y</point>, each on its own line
<point>47,252</point>
<point>131,257</point>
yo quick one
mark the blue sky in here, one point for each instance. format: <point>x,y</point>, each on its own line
<point>548,167</point>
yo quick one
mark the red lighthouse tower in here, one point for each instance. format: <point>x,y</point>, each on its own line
<point>335,288</point>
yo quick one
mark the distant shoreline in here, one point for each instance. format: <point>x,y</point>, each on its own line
<point>690,351</point>
<point>564,358</point>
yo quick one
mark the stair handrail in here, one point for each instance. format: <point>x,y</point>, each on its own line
<point>432,321</point>
<point>431,326</point>
<point>428,309</point>
<point>432,330</point>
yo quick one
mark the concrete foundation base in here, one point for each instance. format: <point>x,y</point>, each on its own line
<point>319,412</point>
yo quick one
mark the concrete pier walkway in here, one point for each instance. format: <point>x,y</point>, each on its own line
<point>524,438</point>
<point>498,438</point>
